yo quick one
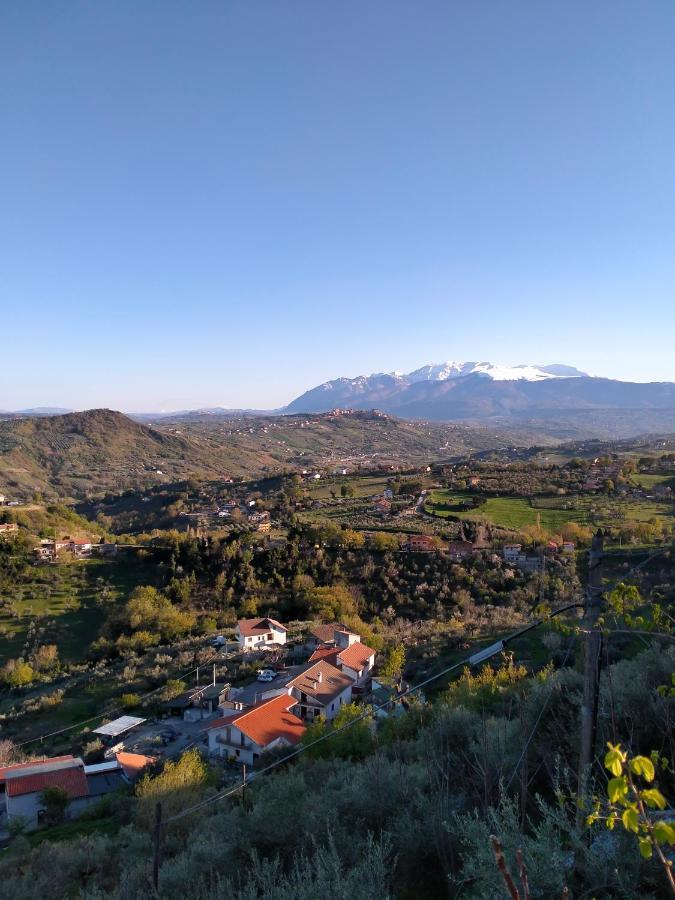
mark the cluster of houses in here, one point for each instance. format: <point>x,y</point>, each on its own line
<point>381,503</point>
<point>515,554</point>
<point>597,475</point>
<point>338,669</point>
<point>456,550</point>
<point>49,549</point>
<point>239,725</point>
<point>22,785</point>
<point>259,518</point>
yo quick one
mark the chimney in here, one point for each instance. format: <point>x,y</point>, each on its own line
<point>319,676</point>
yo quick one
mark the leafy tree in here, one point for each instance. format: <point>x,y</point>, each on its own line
<point>394,662</point>
<point>18,673</point>
<point>354,742</point>
<point>355,540</point>
<point>55,801</point>
<point>46,658</point>
<point>173,688</point>
<point>180,783</point>
<point>332,602</point>
<point>151,611</point>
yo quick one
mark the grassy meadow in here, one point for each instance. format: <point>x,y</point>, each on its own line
<point>67,601</point>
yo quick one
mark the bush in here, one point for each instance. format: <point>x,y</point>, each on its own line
<point>130,700</point>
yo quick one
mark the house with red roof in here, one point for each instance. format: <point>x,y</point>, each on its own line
<point>319,691</point>
<point>24,783</point>
<point>421,543</point>
<point>253,634</point>
<point>346,652</point>
<point>246,734</point>
<point>356,661</point>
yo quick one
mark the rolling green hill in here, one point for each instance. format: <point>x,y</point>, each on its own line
<point>83,454</point>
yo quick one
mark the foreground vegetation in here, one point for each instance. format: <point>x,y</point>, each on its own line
<point>405,813</point>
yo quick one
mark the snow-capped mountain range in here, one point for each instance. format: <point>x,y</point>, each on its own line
<point>489,392</point>
<point>495,371</point>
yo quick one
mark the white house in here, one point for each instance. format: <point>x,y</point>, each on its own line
<point>252,634</point>
<point>348,654</point>
<point>246,734</point>
<point>511,552</point>
<point>319,691</point>
<point>357,661</point>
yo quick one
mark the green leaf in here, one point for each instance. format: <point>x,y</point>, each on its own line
<point>614,760</point>
<point>616,789</point>
<point>645,848</point>
<point>654,798</point>
<point>664,832</point>
<point>642,765</point>
<point>611,822</point>
<point>629,818</point>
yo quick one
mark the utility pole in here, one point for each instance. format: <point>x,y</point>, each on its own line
<point>156,847</point>
<point>592,653</point>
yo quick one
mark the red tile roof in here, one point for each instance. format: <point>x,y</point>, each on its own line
<point>321,681</point>
<point>30,764</point>
<point>267,721</point>
<point>72,780</point>
<point>356,657</point>
<point>134,763</point>
<point>250,627</point>
<point>330,654</point>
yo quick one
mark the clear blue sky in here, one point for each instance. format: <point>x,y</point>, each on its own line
<point>225,203</point>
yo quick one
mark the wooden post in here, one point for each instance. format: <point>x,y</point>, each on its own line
<point>592,650</point>
<point>156,847</point>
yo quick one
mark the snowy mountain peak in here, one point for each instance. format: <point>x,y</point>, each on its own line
<point>494,371</point>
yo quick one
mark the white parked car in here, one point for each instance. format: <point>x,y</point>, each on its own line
<point>267,675</point>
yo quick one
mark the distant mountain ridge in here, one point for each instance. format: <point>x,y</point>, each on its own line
<point>489,393</point>
<point>79,455</point>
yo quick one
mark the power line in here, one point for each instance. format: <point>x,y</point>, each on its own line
<point>116,709</point>
<point>377,707</point>
<point>149,694</point>
<point>367,712</point>
<point>537,721</point>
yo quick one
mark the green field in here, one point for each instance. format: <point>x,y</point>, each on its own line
<point>649,481</point>
<point>553,512</point>
<point>68,600</point>
<point>362,487</point>
<point>509,512</point>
